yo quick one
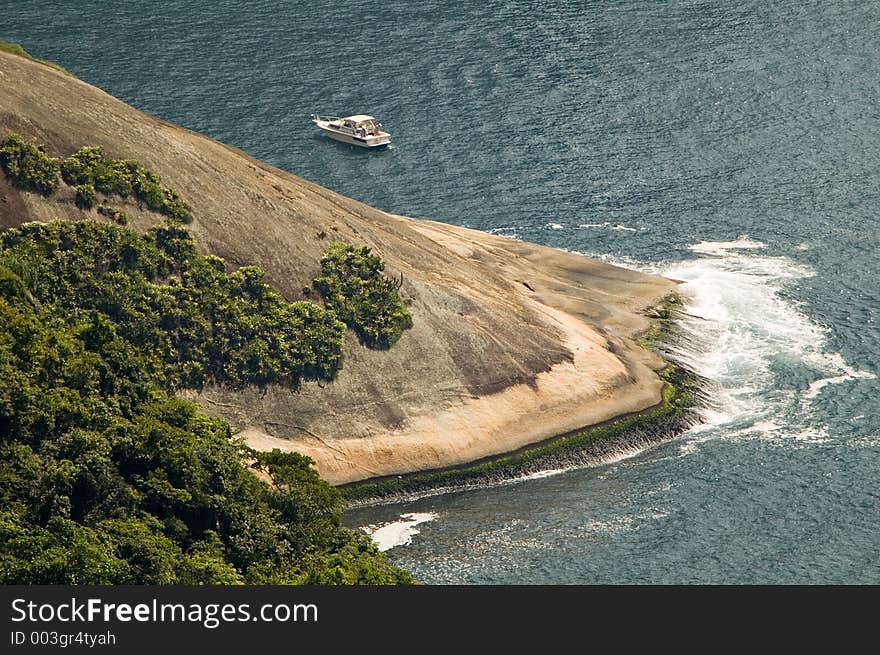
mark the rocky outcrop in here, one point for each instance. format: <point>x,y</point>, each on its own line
<point>512,342</point>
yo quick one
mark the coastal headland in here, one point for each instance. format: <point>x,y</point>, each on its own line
<point>512,343</point>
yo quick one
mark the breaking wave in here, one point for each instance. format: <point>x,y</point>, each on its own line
<point>764,358</point>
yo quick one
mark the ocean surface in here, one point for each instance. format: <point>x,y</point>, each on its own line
<point>732,145</point>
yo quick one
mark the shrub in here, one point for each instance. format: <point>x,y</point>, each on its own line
<point>115,177</point>
<point>175,207</point>
<point>149,190</point>
<point>28,165</point>
<point>85,196</point>
<point>113,213</point>
<point>353,286</point>
<point>89,165</point>
<point>77,169</point>
<point>11,285</point>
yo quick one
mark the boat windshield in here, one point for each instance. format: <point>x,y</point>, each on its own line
<point>361,127</point>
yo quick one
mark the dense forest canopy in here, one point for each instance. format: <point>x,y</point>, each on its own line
<point>105,476</point>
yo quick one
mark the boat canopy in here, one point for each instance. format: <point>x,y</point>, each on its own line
<point>359,118</point>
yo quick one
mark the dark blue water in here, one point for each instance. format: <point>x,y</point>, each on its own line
<point>735,146</point>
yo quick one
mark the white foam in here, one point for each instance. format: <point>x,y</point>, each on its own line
<point>618,260</point>
<point>722,247</point>
<point>608,226</point>
<point>618,455</point>
<point>398,533</point>
<point>695,437</point>
<point>506,232</point>
<point>768,426</point>
<point>615,525</point>
<point>818,385</point>
<point>624,522</point>
<point>870,441</point>
<point>838,370</point>
<point>537,475</point>
<point>739,330</point>
<point>739,324</point>
<point>811,435</point>
<point>554,226</point>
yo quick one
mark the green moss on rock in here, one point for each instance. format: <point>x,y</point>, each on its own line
<point>671,416</point>
<point>16,49</point>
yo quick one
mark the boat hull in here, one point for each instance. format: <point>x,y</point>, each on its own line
<point>362,142</point>
<point>359,130</point>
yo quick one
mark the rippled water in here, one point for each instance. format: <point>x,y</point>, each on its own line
<point>734,146</point>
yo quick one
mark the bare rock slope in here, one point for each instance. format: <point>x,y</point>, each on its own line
<point>512,342</point>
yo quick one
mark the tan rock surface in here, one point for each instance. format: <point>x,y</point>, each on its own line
<point>512,342</point>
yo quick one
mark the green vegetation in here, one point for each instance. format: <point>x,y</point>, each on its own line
<point>28,165</point>
<point>89,166</point>
<point>105,478</point>
<point>11,284</point>
<point>643,428</point>
<point>113,213</point>
<point>353,286</point>
<point>16,49</point>
<point>664,322</point>
<point>90,172</point>
<point>85,196</point>
<point>115,177</point>
<point>194,321</point>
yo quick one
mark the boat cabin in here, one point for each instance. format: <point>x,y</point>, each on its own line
<point>361,124</point>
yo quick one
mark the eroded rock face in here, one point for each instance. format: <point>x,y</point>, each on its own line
<point>512,342</point>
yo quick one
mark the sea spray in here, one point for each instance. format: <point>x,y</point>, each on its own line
<point>741,330</point>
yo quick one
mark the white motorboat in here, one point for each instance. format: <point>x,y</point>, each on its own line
<point>358,130</point>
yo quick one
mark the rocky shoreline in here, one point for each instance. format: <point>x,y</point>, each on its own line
<point>592,446</point>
